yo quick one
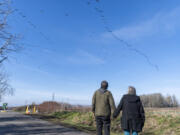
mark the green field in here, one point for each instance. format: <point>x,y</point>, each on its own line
<point>158,121</point>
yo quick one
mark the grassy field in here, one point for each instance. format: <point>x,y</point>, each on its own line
<point>158,121</point>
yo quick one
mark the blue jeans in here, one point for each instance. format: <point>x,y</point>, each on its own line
<point>128,133</point>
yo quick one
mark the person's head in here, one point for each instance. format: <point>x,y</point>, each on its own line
<point>131,90</point>
<point>104,84</point>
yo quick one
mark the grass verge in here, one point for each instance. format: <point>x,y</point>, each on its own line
<point>158,122</point>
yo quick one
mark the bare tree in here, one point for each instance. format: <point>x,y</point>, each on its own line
<point>175,102</point>
<point>169,101</point>
<point>7,39</point>
<point>5,87</point>
<point>7,45</point>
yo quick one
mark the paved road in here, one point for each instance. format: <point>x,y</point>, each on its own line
<point>12,123</point>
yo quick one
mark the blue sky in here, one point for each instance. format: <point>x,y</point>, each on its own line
<point>67,49</point>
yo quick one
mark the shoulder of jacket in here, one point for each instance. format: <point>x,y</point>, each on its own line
<point>125,97</point>
<point>96,91</point>
<point>139,98</point>
<point>109,92</point>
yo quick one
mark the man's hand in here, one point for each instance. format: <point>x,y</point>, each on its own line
<point>113,118</point>
<point>94,115</point>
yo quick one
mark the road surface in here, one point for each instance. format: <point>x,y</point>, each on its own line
<point>13,123</point>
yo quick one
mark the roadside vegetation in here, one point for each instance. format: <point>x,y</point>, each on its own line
<point>164,121</point>
<point>159,121</point>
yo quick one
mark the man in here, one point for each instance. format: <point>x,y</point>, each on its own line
<point>103,106</point>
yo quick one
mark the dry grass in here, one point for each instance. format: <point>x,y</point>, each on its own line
<point>162,121</point>
<point>159,121</point>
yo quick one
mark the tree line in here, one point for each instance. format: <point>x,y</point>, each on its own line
<point>158,100</point>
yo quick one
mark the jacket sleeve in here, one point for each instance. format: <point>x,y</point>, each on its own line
<point>119,108</point>
<point>111,102</point>
<point>94,102</point>
<point>142,112</point>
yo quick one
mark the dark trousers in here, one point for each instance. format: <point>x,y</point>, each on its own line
<point>101,122</point>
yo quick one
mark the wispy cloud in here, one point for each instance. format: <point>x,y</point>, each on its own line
<point>163,22</point>
<point>84,57</point>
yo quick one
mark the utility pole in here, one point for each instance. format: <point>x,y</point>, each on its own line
<point>53,96</point>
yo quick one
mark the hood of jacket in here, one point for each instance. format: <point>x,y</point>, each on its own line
<point>102,90</point>
<point>132,98</point>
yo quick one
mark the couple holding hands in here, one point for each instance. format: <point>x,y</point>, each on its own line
<point>103,107</point>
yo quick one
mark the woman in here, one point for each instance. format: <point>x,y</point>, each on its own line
<point>133,116</point>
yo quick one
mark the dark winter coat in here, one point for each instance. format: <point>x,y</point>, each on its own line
<point>133,116</point>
